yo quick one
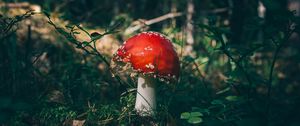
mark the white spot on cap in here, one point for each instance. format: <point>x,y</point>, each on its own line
<point>149,66</point>
<point>148,48</point>
<point>128,56</point>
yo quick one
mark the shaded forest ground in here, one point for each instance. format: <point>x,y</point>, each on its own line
<point>239,66</point>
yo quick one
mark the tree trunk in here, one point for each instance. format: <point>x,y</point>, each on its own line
<point>173,10</point>
<point>261,9</point>
<point>237,21</point>
<point>189,28</point>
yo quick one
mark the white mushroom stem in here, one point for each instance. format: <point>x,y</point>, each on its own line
<point>145,99</point>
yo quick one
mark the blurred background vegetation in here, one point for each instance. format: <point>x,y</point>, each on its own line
<point>239,62</point>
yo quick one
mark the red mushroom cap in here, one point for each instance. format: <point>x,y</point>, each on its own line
<point>150,53</point>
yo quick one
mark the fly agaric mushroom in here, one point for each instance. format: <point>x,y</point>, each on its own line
<point>151,55</point>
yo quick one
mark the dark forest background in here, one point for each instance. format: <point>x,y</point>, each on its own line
<point>239,62</point>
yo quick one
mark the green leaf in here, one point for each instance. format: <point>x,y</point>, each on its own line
<point>79,46</point>
<point>46,13</point>
<point>189,59</point>
<point>232,98</point>
<point>195,120</point>
<point>185,115</point>
<point>85,43</point>
<point>205,111</point>
<point>223,91</point>
<point>18,17</point>
<point>217,102</point>
<point>96,36</point>
<point>76,32</point>
<point>69,26</point>
<point>196,114</point>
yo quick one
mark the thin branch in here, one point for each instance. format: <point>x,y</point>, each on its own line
<point>152,21</point>
<point>227,53</point>
<point>275,57</point>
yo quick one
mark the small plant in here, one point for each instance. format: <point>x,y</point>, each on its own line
<point>192,117</point>
<point>56,115</point>
<point>8,25</point>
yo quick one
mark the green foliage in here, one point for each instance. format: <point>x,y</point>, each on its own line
<point>192,117</point>
<point>8,25</point>
<point>56,115</point>
<point>53,78</point>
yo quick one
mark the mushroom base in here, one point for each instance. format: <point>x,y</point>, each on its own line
<point>145,103</point>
